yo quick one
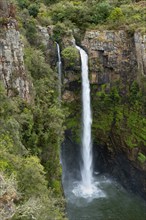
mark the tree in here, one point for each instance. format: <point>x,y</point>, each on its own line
<point>100,12</point>
<point>33,10</point>
<point>23,3</point>
<point>116,15</point>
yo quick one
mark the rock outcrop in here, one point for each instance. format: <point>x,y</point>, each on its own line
<point>12,69</point>
<point>4,8</point>
<point>111,56</point>
<point>140,46</point>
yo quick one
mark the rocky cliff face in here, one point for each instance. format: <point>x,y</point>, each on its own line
<point>116,59</point>
<point>111,56</point>
<point>4,8</point>
<point>116,63</point>
<point>12,69</point>
<point>140,46</point>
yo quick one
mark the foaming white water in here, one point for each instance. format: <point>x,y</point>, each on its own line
<point>86,188</point>
<point>88,192</point>
<point>59,70</point>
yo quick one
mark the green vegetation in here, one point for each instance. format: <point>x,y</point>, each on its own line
<point>70,55</point>
<point>141,157</point>
<point>31,133</point>
<point>116,15</point>
<point>73,121</point>
<point>101,12</point>
<point>33,8</point>
<point>84,14</point>
<point>59,31</point>
<point>121,118</point>
<point>29,152</point>
<point>39,206</point>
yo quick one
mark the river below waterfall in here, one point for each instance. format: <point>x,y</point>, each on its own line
<point>114,203</point>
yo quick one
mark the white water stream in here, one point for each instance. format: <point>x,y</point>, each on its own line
<point>59,64</point>
<point>87,187</point>
<point>86,170</point>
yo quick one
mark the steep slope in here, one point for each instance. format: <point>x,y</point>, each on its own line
<point>30,172</point>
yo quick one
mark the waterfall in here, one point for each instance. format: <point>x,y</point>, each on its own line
<point>59,64</point>
<point>86,170</point>
<point>87,188</point>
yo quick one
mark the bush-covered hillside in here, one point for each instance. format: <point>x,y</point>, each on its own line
<point>31,133</point>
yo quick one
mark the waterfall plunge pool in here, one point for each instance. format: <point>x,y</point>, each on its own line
<point>111,202</point>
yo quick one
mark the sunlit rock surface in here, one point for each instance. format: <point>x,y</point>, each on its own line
<point>12,69</point>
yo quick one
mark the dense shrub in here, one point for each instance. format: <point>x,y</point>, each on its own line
<point>116,15</point>
<point>36,64</point>
<point>70,55</point>
<point>31,31</point>
<point>33,7</point>
<point>117,3</point>
<point>100,12</point>
<point>49,2</point>
<point>59,31</point>
<point>78,14</point>
<point>35,128</point>
<point>33,10</point>
<point>23,3</point>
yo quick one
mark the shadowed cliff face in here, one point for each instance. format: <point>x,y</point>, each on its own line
<point>117,164</point>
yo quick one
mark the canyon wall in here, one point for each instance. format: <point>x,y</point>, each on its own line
<point>115,55</point>
<point>12,68</point>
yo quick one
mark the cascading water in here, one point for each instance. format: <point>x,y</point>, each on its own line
<point>86,170</point>
<point>59,65</point>
<point>59,70</point>
<point>87,187</point>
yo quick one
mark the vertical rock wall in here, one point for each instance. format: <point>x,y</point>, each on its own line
<point>12,69</point>
<point>4,8</point>
<point>111,56</point>
<point>140,46</point>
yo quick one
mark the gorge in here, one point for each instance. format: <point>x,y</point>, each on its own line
<point>43,103</point>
